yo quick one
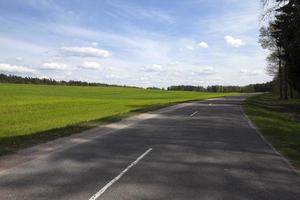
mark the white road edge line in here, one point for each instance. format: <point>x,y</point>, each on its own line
<point>193,114</point>
<point>100,192</point>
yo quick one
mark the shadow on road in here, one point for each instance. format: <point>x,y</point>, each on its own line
<point>217,156</point>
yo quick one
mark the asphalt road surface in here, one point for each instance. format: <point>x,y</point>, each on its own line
<point>202,150</point>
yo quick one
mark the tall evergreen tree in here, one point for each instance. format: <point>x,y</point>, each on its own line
<point>286,32</point>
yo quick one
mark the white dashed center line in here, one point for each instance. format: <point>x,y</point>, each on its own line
<point>100,192</point>
<point>194,114</point>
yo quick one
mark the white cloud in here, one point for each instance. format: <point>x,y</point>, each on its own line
<point>174,63</point>
<point>90,65</point>
<point>152,68</point>
<point>204,71</point>
<point>190,47</point>
<point>54,66</point>
<point>95,44</point>
<point>139,46</point>
<point>15,68</point>
<point>203,45</point>
<point>86,52</point>
<point>195,46</point>
<point>69,73</point>
<point>19,58</point>
<point>114,76</point>
<point>157,67</point>
<point>208,70</point>
<point>252,72</point>
<point>234,42</point>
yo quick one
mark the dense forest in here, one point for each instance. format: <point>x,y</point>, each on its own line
<point>281,36</point>
<point>263,87</point>
<point>44,81</point>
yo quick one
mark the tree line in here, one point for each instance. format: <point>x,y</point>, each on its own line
<point>281,36</point>
<point>263,87</point>
<point>45,81</point>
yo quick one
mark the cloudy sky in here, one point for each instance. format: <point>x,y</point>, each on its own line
<point>133,42</point>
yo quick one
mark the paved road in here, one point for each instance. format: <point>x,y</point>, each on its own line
<point>202,150</point>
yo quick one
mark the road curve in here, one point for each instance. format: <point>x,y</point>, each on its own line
<point>201,150</point>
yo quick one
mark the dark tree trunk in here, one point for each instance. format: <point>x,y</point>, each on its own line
<point>291,91</point>
<point>280,79</point>
<point>285,88</point>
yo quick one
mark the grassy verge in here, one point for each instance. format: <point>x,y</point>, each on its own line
<point>33,114</point>
<point>279,121</point>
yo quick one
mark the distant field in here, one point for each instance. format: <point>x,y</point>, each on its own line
<point>42,110</point>
<point>279,121</point>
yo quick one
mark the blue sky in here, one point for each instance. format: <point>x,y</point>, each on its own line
<point>133,42</point>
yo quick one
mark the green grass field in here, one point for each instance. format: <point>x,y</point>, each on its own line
<point>279,121</point>
<point>31,114</point>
